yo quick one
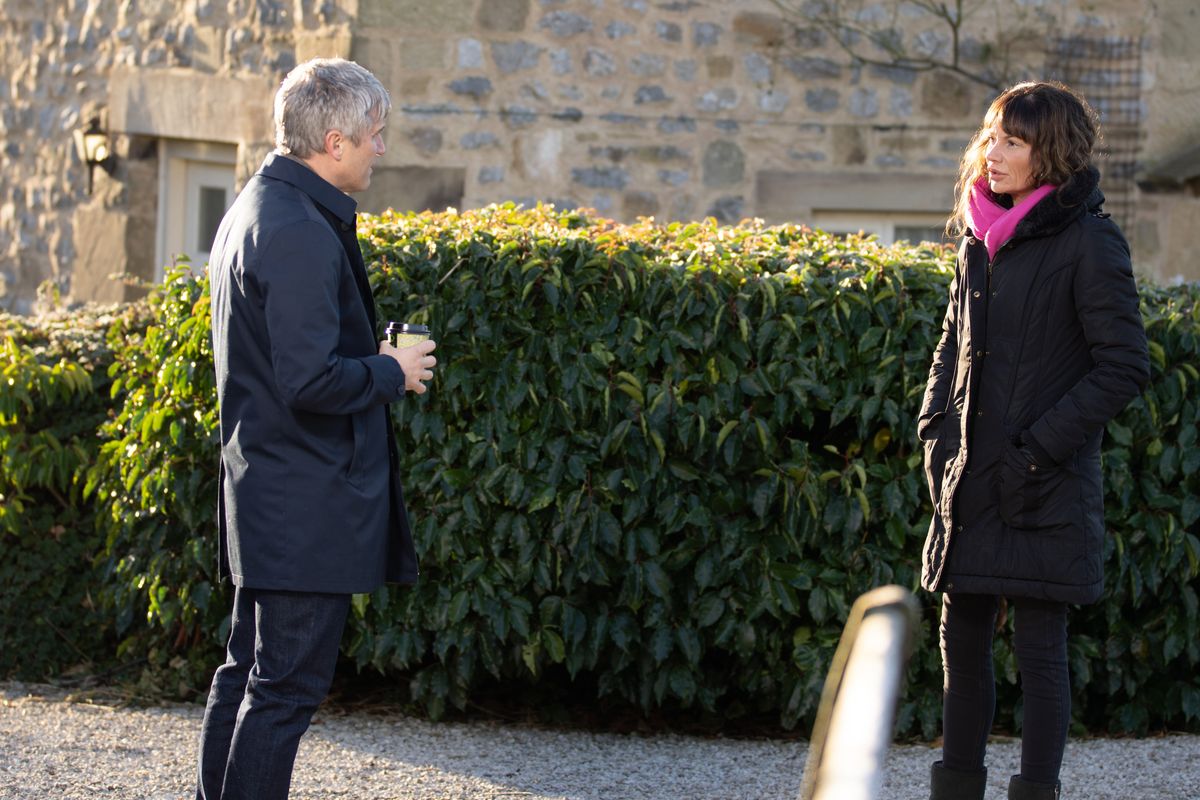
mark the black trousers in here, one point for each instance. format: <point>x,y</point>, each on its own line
<point>969,688</point>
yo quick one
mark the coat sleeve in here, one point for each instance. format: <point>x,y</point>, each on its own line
<point>1106,302</point>
<point>941,371</point>
<point>300,274</point>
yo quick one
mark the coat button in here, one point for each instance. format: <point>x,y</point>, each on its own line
<point>976,293</point>
<point>949,585</point>
<point>979,354</point>
<point>1033,467</point>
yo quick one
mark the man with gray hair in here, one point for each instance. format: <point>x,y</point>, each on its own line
<point>310,505</point>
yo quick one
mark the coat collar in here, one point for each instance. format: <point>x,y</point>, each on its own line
<point>1079,195</point>
<point>290,170</point>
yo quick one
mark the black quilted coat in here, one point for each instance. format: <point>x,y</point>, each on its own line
<point>1040,349</point>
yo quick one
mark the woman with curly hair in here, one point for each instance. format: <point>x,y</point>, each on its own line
<point>1041,346</point>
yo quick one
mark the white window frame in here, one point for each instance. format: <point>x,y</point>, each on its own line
<point>879,223</point>
<point>184,167</point>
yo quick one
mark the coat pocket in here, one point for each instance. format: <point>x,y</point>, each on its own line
<point>935,458</point>
<point>358,441</point>
<point>1032,496</point>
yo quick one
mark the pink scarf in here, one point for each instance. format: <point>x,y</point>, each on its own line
<point>993,222</point>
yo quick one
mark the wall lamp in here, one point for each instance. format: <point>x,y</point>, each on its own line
<point>95,149</point>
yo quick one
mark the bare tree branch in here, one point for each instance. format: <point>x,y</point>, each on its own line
<point>848,30</point>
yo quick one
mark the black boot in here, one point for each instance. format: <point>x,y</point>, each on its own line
<point>953,784</point>
<point>1021,789</point>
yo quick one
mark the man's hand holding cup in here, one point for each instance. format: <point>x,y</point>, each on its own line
<point>411,346</point>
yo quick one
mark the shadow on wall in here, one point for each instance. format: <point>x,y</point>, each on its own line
<point>413,189</point>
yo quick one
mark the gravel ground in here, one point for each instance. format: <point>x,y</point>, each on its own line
<point>54,749</point>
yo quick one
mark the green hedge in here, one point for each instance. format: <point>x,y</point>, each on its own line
<point>657,462</point>
<point>54,396</point>
<point>668,458</point>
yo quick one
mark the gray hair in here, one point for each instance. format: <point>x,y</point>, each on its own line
<point>322,95</point>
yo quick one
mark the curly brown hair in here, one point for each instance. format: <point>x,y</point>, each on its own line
<point>1057,123</point>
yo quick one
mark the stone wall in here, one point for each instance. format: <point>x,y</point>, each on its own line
<point>631,107</point>
<point>1168,217</point>
<point>67,61</point>
<point>676,109</point>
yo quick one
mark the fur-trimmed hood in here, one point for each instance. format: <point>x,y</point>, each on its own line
<point>1078,196</point>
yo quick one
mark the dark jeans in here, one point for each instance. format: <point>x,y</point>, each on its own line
<point>969,690</point>
<point>282,651</point>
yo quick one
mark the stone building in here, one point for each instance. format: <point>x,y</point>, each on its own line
<point>676,109</point>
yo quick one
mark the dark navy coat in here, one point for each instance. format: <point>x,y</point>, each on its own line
<point>310,498</point>
<point>1040,348</point>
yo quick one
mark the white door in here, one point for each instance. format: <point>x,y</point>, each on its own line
<point>209,194</point>
<point>196,188</point>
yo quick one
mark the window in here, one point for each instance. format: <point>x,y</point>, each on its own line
<point>196,188</point>
<point>213,202</point>
<point>889,227</point>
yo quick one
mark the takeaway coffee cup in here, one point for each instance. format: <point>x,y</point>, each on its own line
<point>406,334</point>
